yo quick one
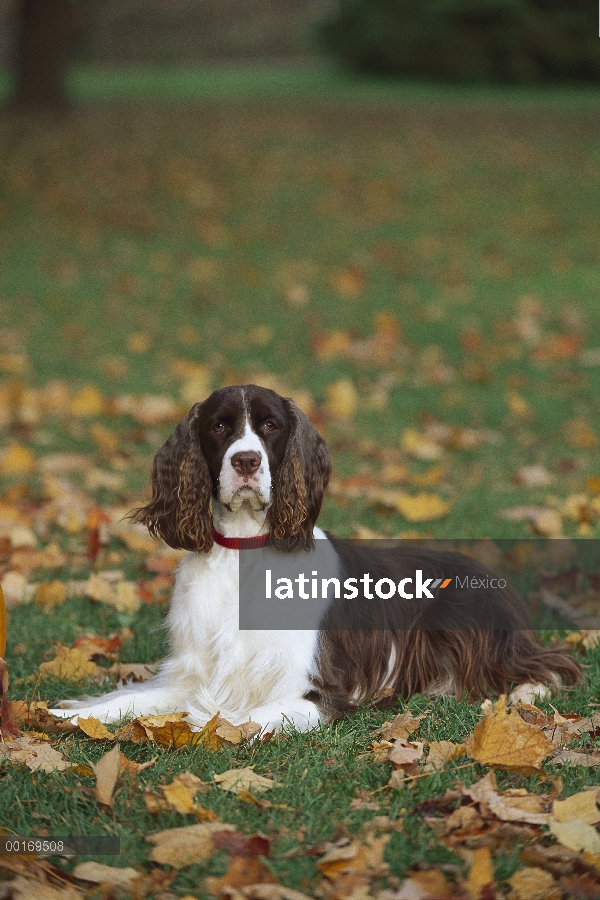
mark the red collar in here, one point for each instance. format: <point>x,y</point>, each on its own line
<point>236,543</point>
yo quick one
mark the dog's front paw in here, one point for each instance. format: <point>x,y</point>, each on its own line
<point>529,693</point>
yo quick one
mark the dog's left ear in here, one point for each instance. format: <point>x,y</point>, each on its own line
<point>300,484</point>
<point>179,511</point>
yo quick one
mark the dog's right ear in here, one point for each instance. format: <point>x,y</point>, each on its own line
<point>179,511</point>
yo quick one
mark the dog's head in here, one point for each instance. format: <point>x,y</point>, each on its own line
<point>242,444</point>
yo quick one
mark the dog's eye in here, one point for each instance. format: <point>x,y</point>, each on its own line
<point>218,428</point>
<point>269,425</point>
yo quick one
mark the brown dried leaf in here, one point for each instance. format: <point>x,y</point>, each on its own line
<point>402,726</point>
<point>106,771</point>
<point>405,753</point>
<point>440,753</point>
<point>180,847</point>
<point>575,758</point>
<point>100,873</point>
<point>521,807</point>
<point>134,732</point>
<point>174,734</point>
<point>236,734</point>
<point>244,779</point>
<point>243,871</point>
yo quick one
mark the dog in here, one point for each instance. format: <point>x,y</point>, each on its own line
<point>246,469</point>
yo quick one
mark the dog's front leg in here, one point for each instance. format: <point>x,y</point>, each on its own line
<point>302,715</point>
<point>147,700</point>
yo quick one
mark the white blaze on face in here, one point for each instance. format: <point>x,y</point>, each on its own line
<point>235,488</point>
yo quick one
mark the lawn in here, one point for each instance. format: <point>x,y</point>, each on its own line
<point>419,268</point>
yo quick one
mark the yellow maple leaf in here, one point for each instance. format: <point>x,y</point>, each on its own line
<point>17,460</point>
<point>503,740</point>
<point>50,594</point>
<point>421,507</point>
<point>87,402</point>
<point>481,872</point>
<point>70,665</point>
<point>208,736</point>
<point>342,399</point>
<point>95,729</point>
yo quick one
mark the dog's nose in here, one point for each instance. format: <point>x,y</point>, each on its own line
<point>246,462</point>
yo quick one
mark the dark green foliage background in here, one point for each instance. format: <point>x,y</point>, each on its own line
<point>520,41</point>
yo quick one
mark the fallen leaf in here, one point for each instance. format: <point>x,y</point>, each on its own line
<point>133,731</point>
<point>575,758</point>
<point>47,759</point>
<point>405,753</point>
<point>135,671</point>
<point>516,808</point>
<point>244,779</point>
<point>106,771</point>
<point>236,734</point>
<point>588,639</point>
<point>421,507</point>
<point>174,734</point>
<point>420,446</point>
<point>502,739</point>
<point>180,847</point>
<point>242,872</point>
<point>95,729</point>
<point>356,862</point>
<point>241,844</point>
<point>50,594</point>
<point>402,726</point>
<point>582,806</point>
<point>69,665</point>
<point>272,892</point>
<point>533,477</point>
<point>100,873</point>
<point>481,873</point>
<point>208,737</point>
<point>533,883</point>
<point>576,835</point>
<point>440,753</point>
<point>133,768</point>
<point>17,460</point>
<point>180,796</point>
<point>421,886</point>
<point>87,403</point>
<point>26,889</point>
<point>342,399</point>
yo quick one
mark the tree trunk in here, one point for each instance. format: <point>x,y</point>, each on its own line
<point>46,31</point>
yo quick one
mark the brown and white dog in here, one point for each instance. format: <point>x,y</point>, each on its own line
<point>247,466</point>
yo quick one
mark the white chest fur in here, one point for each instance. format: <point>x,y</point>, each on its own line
<point>219,667</point>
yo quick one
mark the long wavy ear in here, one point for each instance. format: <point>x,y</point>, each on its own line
<point>300,483</point>
<point>179,511</point>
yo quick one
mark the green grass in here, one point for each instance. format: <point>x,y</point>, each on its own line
<point>448,207</point>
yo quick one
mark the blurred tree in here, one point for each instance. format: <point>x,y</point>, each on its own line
<point>468,40</point>
<point>46,40</point>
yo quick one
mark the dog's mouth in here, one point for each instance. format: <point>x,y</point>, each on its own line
<point>245,493</point>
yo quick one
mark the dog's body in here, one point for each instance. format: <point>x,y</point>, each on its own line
<point>247,463</point>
